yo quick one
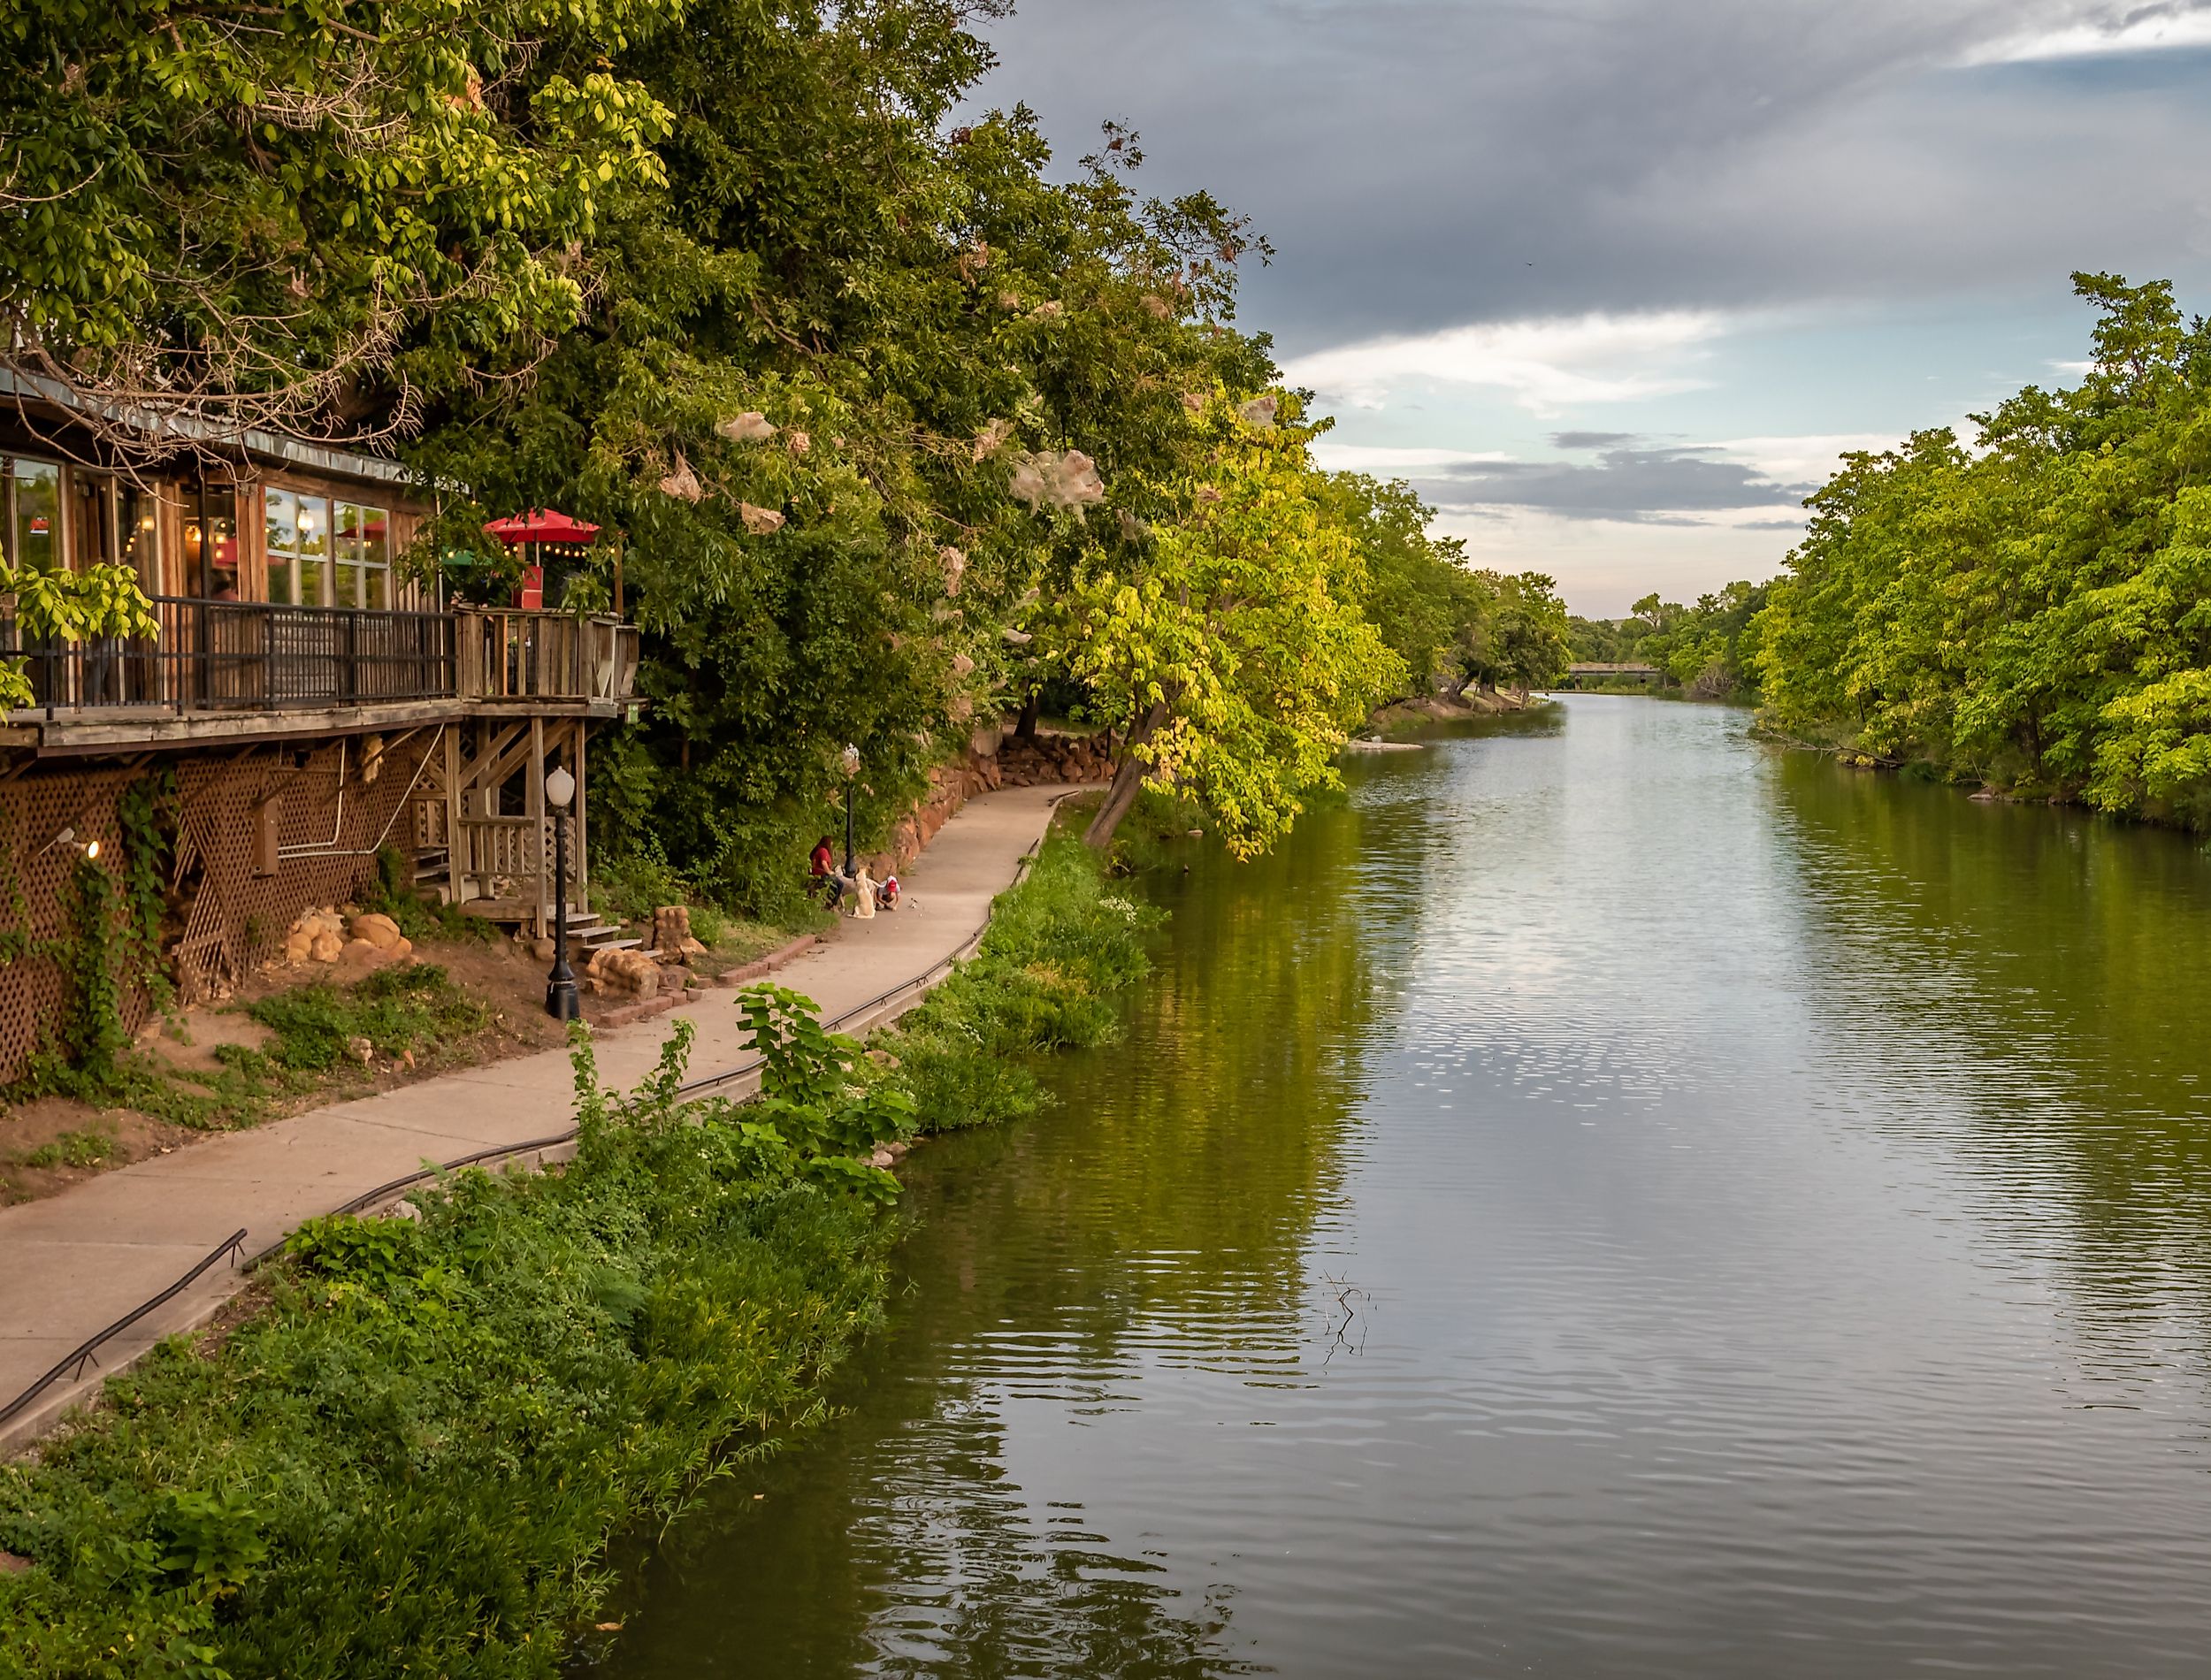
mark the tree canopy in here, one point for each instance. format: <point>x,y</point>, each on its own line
<point>2034,611</point>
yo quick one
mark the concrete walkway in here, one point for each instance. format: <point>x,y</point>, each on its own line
<point>76,1261</point>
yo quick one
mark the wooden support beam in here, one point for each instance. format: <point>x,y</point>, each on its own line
<point>457,853</point>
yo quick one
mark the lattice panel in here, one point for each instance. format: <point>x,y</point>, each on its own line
<point>331,820</point>
<point>332,817</point>
<point>34,809</point>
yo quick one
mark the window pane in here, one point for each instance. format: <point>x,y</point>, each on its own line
<point>211,543</point>
<point>90,534</point>
<point>35,541</point>
<point>376,581</point>
<point>376,526</point>
<point>141,542</point>
<point>280,521</point>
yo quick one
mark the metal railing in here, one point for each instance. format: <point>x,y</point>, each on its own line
<point>243,656</point>
<point>260,656</point>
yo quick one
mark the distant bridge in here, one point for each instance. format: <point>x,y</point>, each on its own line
<point>1586,675</point>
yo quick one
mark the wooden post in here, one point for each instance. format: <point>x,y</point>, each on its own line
<point>582,854</point>
<point>537,809</point>
<point>456,812</point>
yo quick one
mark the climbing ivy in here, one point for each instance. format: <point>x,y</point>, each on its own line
<point>92,1025</point>
<point>147,815</point>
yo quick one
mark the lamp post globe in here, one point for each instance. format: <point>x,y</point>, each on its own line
<point>562,1001</point>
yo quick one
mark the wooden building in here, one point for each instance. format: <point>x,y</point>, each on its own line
<point>307,704</point>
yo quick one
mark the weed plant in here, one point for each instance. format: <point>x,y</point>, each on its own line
<point>410,1461</point>
<point>1058,947</point>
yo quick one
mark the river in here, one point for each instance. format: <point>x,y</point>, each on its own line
<point>1611,1198</point>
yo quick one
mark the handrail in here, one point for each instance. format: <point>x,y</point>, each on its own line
<point>235,1241</point>
<point>214,655</point>
<point>231,1244</point>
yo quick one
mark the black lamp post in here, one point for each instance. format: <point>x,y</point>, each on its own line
<point>850,760</point>
<point>563,1003</point>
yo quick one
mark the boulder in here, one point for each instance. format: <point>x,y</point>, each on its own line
<point>324,947</point>
<point>379,930</point>
<point>361,1050</point>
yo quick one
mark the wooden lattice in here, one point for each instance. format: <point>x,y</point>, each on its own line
<point>336,803</point>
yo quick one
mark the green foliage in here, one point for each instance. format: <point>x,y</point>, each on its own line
<point>405,1007</point>
<point>1710,650</point>
<point>409,1462</point>
<point>2033,613</point>
<point>1059,946</point>
<point>92,1031</point>
<point>72,1148</point>
<point>260,218</point>
<point>1233,648</point>
<point>146,812</point>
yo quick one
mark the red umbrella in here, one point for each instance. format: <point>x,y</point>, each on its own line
<point>541,525</point>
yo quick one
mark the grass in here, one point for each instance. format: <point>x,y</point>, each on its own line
<point>72,1148</point>
<point>405,1008</point>
<point>410,1459</point>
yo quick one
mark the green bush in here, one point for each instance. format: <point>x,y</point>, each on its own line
<point>1059,945</point>
<point>409,1462</point>
<point>407,1007</point>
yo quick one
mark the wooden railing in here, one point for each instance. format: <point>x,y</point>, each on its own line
<point>490,847</point>
<point>257,656</point>
<point>514,655</point>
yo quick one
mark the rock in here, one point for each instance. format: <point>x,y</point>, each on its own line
<point>692,948</point>
<point>297,946</point>
<point>883,1158</point>
<point>10,1564</point>
<point>379,930</point>
<point>407,1060</point>
<point>898,1151</point>
<point>636,972</point>
<point>361,1050</point>
<point>324,947</point>
<point>884,1058</point>
<point>543,950</point>
<point>359,950</point>
<point>402,951</point>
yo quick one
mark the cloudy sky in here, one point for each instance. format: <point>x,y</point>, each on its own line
<point>1613,280</point>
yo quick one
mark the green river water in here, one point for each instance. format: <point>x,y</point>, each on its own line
<point>1611,1199</point>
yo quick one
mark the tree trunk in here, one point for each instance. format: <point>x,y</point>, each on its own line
<point>1128,780</point>
<point>1026,729</point>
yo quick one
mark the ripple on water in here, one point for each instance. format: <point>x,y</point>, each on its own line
<point>1609,1199</point>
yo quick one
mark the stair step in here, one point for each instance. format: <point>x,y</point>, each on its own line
<point>613,944</point>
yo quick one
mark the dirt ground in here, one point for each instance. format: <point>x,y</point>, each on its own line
<point>81,1140</point>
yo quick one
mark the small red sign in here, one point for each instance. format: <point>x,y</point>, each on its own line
<point>533,591</point>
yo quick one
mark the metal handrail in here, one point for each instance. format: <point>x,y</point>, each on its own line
<point>231,1244</point>
<point>236,1241</point>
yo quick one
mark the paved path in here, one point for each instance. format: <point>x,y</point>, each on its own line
<point>77,1262</point>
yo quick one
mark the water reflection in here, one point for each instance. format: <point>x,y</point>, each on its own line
<point>1608,1200</point>
<point>1064,1279</point>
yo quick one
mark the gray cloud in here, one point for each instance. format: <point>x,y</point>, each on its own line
<point>1649,486</point>
<point>1589,439</point>
<point>1427,163</point>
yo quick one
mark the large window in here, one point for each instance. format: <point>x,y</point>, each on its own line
<point>363,555</point>
<point>139,528</point>
<point>298,529</point>
<point>32,525</point>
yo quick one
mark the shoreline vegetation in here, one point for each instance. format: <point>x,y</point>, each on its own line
<point>407,1448</point>
<point>2024,615</point>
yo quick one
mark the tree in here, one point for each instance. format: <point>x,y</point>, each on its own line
<point>305,216</point>
<point>1234,655</point>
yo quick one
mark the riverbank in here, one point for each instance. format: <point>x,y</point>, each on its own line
<point>529,1363</point>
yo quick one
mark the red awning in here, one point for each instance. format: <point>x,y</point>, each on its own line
<point>541,525</point>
